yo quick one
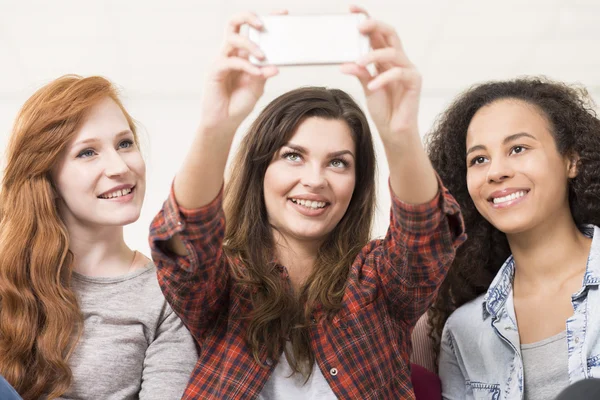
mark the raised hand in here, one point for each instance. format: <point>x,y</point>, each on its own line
<point>393,92</point>
<point>234,84</point>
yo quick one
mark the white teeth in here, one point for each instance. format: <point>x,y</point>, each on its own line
<point>116,194</point>
<point>310,204</point>
<point>512,196</point>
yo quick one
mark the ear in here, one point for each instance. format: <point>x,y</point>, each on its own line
<point>573,161</point>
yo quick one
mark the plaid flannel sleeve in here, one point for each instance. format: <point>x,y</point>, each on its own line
<point>196,285</point>
<point>418,249</point>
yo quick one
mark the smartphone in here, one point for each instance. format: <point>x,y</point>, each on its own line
<point>310,39</point>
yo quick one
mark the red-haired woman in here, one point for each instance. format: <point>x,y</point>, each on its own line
<point>81,314</point>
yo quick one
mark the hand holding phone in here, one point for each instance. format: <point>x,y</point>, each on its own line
<point>310,39</point>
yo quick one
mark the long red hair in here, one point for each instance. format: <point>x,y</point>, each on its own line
<point>40,319</point>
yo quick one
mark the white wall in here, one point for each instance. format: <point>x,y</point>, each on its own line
<point>158,52</point>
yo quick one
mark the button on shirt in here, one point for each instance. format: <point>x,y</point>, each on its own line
<point>365,348</point>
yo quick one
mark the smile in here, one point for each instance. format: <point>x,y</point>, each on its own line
<point>310,204</point>
<point>512,196</point>
<point>509,199</point>
<point>117,193</point>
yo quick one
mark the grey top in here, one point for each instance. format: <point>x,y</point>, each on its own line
<point>133,346</point>
<point>546,367</point>
<point>282,385</point>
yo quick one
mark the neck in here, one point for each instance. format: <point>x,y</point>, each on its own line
<point>99,251</point>
<point>549,254</point>
<point>297,256</point>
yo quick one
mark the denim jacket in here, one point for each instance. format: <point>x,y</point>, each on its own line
<point>480,355</point>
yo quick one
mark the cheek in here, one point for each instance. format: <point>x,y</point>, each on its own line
<point>475,180</point>
<point>344,188</point>
<point>74,179</point>
<point>136,163</point>
<point>278,180</point>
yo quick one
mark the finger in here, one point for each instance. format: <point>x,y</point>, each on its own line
<point>377,40</point>
<point>269,71</point>
<point>358,71</point>
<point>279,12</point>
<point>242,54</point>
<point>358,10</point>
<point>236,43</point>
<point>387,32</point>
<point>235,22</point>
<point>228,64</point>
<point>389,55</point>
<point>410,77</point>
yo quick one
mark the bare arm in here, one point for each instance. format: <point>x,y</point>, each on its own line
<point>233,88</point>
<point>393,95</point>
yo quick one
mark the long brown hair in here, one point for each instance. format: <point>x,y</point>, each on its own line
<point>277,314</point>
<point>40,319</point>
<point>575,128</point>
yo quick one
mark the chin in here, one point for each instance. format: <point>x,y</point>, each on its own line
<point>122,220</point>
<point>310,235</point>
<point>513,227</point>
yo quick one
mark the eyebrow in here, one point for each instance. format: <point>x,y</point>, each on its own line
<point>303,150</point>
<point>92,140</point>
<point>508,139</point>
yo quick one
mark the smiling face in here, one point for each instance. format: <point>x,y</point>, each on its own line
<point>515,174</point>
<point>101,176</point>
<point>309,183</point>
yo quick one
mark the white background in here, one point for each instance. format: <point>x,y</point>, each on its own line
<point>157,52</point>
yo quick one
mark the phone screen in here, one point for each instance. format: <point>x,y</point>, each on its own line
<point>310,39</point>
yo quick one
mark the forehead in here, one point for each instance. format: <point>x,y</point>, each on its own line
<point>104,120</point>
<point>495,121</point>
<point>320,134</point>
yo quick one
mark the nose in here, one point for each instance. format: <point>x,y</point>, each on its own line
<point>115,165</point>
<point>313,177</point>
<point>499,170</point>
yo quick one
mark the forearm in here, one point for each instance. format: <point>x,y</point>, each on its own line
<point>196,284</point>
<point>201,176</point>
<point>412,176</point>
<point>418,249</point>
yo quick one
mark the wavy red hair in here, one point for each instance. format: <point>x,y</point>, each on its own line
<point>40,319</point>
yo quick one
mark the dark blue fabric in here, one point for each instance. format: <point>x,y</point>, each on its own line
<point>7,392</point>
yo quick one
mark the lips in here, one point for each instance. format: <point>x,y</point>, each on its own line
<point>117,192</point>
<point>509,197</point>
<point>309,203</point>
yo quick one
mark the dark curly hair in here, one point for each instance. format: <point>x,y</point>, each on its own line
<point>576,130</point>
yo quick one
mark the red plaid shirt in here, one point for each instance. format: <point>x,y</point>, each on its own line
<point>363,353</point>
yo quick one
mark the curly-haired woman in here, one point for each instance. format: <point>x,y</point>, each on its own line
<point>522,158</point>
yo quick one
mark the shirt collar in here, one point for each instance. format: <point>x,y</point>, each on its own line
<point>497,294</point>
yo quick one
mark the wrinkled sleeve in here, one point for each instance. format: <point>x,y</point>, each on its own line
<point>195,285</point>
<point>418,249</point>
<point>169,360</point>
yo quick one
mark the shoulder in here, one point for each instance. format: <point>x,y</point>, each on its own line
<point>467,319</point>
<point>145,289</point>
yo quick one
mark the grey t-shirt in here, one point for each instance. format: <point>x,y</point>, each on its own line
<point>133,345</point>
<point>546,367</point>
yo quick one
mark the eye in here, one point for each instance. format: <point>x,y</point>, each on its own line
<point>125,144</point>
<point>86,153</point>
<point>338,163</point>
<point>478,160</point>
<point>291,156</point>
<point>517,149</point>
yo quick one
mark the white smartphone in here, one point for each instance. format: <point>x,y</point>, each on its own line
<point>310,39</point>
